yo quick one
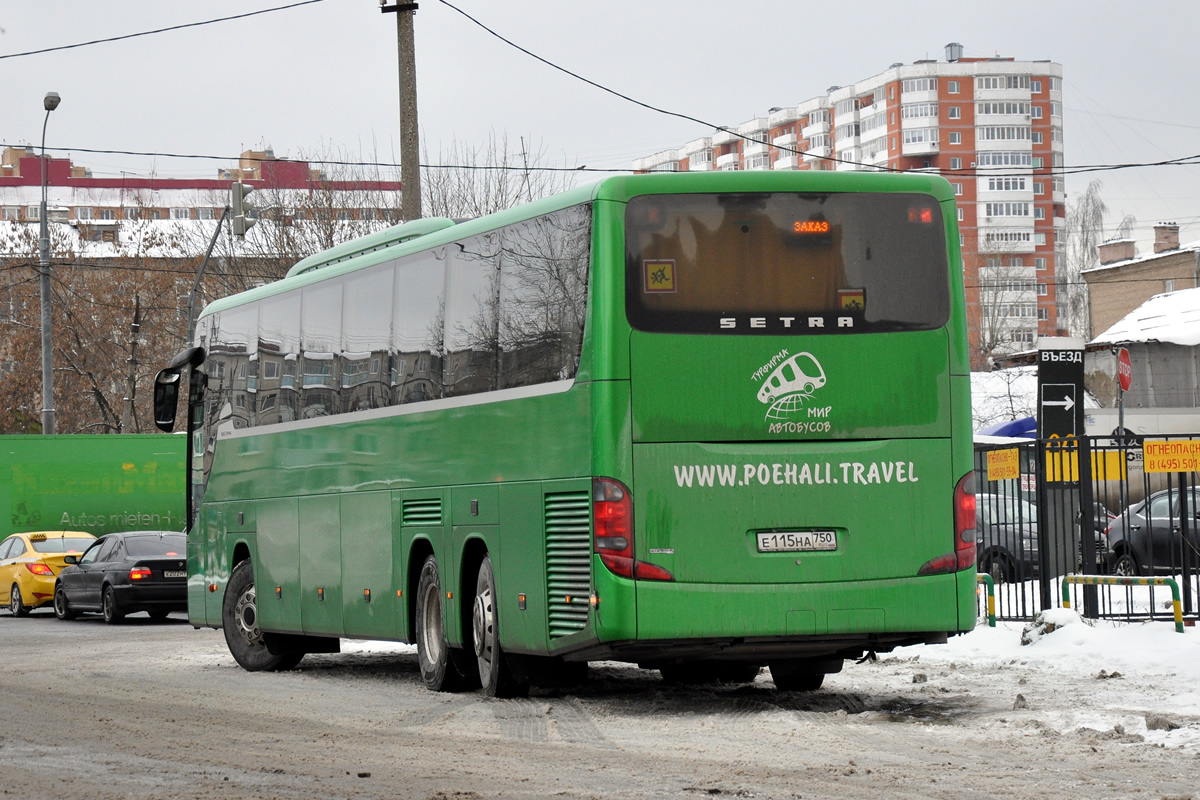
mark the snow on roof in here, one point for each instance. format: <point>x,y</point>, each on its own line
<point>1173,318</point>
<point>1141,258</point>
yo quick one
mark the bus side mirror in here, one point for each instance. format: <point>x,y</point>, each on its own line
<point>166,398</point>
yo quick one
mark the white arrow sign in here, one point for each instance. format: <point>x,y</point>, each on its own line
<point>1067,404</point>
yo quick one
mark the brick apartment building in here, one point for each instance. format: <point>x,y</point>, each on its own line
<point>991,126</point>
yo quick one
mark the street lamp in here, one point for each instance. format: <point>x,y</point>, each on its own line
<point>51,102</point>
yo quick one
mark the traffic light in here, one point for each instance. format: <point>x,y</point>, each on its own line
<point>243,212</point>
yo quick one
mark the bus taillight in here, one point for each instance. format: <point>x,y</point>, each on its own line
<point>612,520</point>
<point>963,556</point>
<point>964,521</point>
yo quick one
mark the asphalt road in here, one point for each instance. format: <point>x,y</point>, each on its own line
<point>156,710</point>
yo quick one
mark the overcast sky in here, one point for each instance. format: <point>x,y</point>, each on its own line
<point>322,78</point>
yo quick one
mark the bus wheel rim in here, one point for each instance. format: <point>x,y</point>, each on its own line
<point>245,616</point>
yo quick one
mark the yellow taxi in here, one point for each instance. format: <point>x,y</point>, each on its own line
<point>30,563</point>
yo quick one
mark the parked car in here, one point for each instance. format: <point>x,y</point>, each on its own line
<point>1007,543</point>
<point>124,573</point>
<point>1147,538</point>
<point>30,563</point>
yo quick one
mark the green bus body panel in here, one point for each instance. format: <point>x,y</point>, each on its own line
<point>887,501</point>
<point>93,483</point>
<point>705,388</point>
<point>672,612</point>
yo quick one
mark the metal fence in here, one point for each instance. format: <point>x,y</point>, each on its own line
<point>1051,507</point>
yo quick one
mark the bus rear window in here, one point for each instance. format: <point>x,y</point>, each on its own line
<point>786,263</point>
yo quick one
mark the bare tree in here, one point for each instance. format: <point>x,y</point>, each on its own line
<point>1085,232</point>
<point>473,181</point>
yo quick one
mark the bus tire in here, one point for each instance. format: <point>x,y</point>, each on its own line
<point>494,671</point>
<point>239,622</point>
<point>434,657</point>
<point>793,677</point>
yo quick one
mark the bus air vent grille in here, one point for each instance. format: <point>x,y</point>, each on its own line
<point>568,561</point>
<point>422,511</point>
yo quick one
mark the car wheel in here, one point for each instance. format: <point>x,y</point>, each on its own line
<point>15,604</point>
<point>495,674</point>
<point>1126,566</point>
<point>239,621</point>
<point>108,605</point>
<point>62,609</point>
<point>999,566</point>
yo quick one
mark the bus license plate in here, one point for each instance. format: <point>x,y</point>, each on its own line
<point>796,541</point>
<point>174,573</point>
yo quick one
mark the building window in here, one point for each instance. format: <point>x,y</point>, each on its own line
<point>1039,187</point>
<point>1037,162</point>
<point>1011,184</point>
<point>1035,87</point>
<point>1037,137</point>
<point>1056,109</point>
<point>133,212</point>
<point>106,213</point>
<point>205,213</point>
<point>1169,285</point>
<point>1043,290</point>
<point>917,85</point>
<point>1039,212</point>
<point>181,213</point>
<point>1035,112</point>
<point>955,112</point>
<point>957,189</point>
<point>270,370</point>
<point>1056,84</point>
<point>1006,209</point>
<point>344,215</point>
<point>1040,262</point>
<point>956,163</point>
<point>955,137</point>
<point>33,212</point>
<point>893,144</point>
<point>83,213</point>
<point>952,87</point>
<point>960,214</point>
<point>12,213</point>
<point>1043,313</point>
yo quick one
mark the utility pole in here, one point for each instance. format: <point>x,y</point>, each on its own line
<point>410,145</point>
<point>131,377</point>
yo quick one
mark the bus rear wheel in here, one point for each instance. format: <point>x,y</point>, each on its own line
<point>239,619</point>
<point>494,671</point>
<point>439,670</point>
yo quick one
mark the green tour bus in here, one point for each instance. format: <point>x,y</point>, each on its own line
<point>702,422</point>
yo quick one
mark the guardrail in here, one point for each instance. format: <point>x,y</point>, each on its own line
<point>1114,580</point>
<point>983,577</point>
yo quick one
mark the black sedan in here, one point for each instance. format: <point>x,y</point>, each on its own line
<point>124,573</point>
<point>1147,538</point>
<point>1008,537</point>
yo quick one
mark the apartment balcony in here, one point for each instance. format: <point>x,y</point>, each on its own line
<point>787,162</point>
<point>814,153</point>
<point>727,159</point>
<point>699,166</point>
<point>847,141</point>
<point>816,129</point>
<point>1014,145</point>
<point>724,137</point>
<point>754,148</point>
<point>919,148</point>
<point>787,140</point>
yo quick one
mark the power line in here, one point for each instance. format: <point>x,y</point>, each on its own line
<point>972,172</point>
<point>158,30</point>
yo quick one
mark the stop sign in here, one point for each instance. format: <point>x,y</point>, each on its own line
<point>1124,369</point>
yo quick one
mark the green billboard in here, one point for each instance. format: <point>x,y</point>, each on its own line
<point>93,483</point>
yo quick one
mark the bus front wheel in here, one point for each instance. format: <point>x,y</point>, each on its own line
<point>494,671</point>
<point>239,619</point>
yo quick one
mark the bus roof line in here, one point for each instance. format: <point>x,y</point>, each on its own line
<point>371,242</point>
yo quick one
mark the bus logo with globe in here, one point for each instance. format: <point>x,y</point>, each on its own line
<point>790,385</point>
